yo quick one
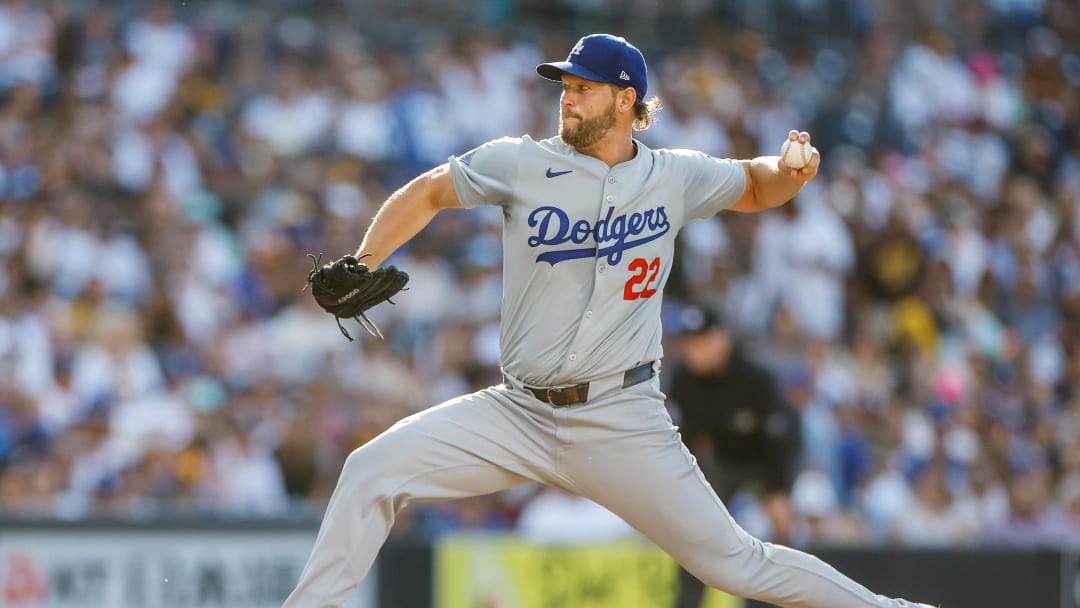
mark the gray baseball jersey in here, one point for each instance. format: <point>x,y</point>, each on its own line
<point>588,248</point>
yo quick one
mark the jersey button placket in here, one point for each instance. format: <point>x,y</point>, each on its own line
<point>610,198</point>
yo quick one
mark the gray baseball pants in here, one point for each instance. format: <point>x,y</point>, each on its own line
<point>620,449</point>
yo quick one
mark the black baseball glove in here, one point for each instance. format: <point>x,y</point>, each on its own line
<point>347,288</point>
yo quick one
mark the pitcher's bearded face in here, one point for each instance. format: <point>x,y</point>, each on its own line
<point>583,132</point>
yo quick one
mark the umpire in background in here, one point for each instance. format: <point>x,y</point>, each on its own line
<point>737,423</point>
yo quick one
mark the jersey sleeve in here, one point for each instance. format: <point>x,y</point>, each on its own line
<point>485,175</point>
<point>711,184</point>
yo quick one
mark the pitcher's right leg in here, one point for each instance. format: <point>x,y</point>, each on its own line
<point>643,473</point>
<point>473,445</point>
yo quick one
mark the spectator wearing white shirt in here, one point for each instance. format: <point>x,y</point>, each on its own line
<point>933,516</point>
<point>365,124</point>
<point>802,257</point>
<point>27,39</point>
<point>248,480</point>
<point>555,517</point>
<point>159,41</point>
<point>929,83</point>
<point>293,119</point>
<point>117,364</point>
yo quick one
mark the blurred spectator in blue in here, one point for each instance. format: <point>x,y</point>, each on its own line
<point>1033,520</point>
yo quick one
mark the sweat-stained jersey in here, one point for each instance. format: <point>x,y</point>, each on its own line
<point>587,248</point>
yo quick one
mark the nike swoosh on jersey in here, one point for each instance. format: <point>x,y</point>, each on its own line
<point>551,173</point>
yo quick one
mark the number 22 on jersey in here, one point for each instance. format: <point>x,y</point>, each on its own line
<point>640,284</point>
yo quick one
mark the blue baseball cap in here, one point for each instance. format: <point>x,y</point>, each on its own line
<point>602,58</point>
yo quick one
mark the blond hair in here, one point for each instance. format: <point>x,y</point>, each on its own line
<point>645,113</point>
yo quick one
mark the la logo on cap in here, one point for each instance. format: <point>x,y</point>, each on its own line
<point>602,58</point>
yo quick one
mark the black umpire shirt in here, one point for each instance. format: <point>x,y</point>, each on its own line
<point>742,412</point>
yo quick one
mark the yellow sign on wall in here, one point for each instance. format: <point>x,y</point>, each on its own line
<point>506,572</point>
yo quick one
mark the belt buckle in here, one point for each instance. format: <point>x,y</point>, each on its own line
<point>548,394</point>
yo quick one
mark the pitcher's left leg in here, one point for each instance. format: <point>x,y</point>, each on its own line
<point>639,469</point>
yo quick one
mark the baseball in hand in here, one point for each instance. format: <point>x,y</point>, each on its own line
<point>796,154</point>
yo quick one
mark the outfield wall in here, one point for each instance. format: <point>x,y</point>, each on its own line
<point>215,564</point>
<point>177,565</point>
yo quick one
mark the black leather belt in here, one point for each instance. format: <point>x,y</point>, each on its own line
<point>565,396</point>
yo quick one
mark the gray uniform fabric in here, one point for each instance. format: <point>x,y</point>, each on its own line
<point>573,228</point>
<point>576,307</point>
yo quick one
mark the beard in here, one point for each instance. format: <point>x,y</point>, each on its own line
<point>589,131</point>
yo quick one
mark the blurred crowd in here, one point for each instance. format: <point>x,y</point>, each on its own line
<point>164,169</point>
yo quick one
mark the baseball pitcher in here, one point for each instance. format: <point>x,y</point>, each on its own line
<point>590,221</point>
